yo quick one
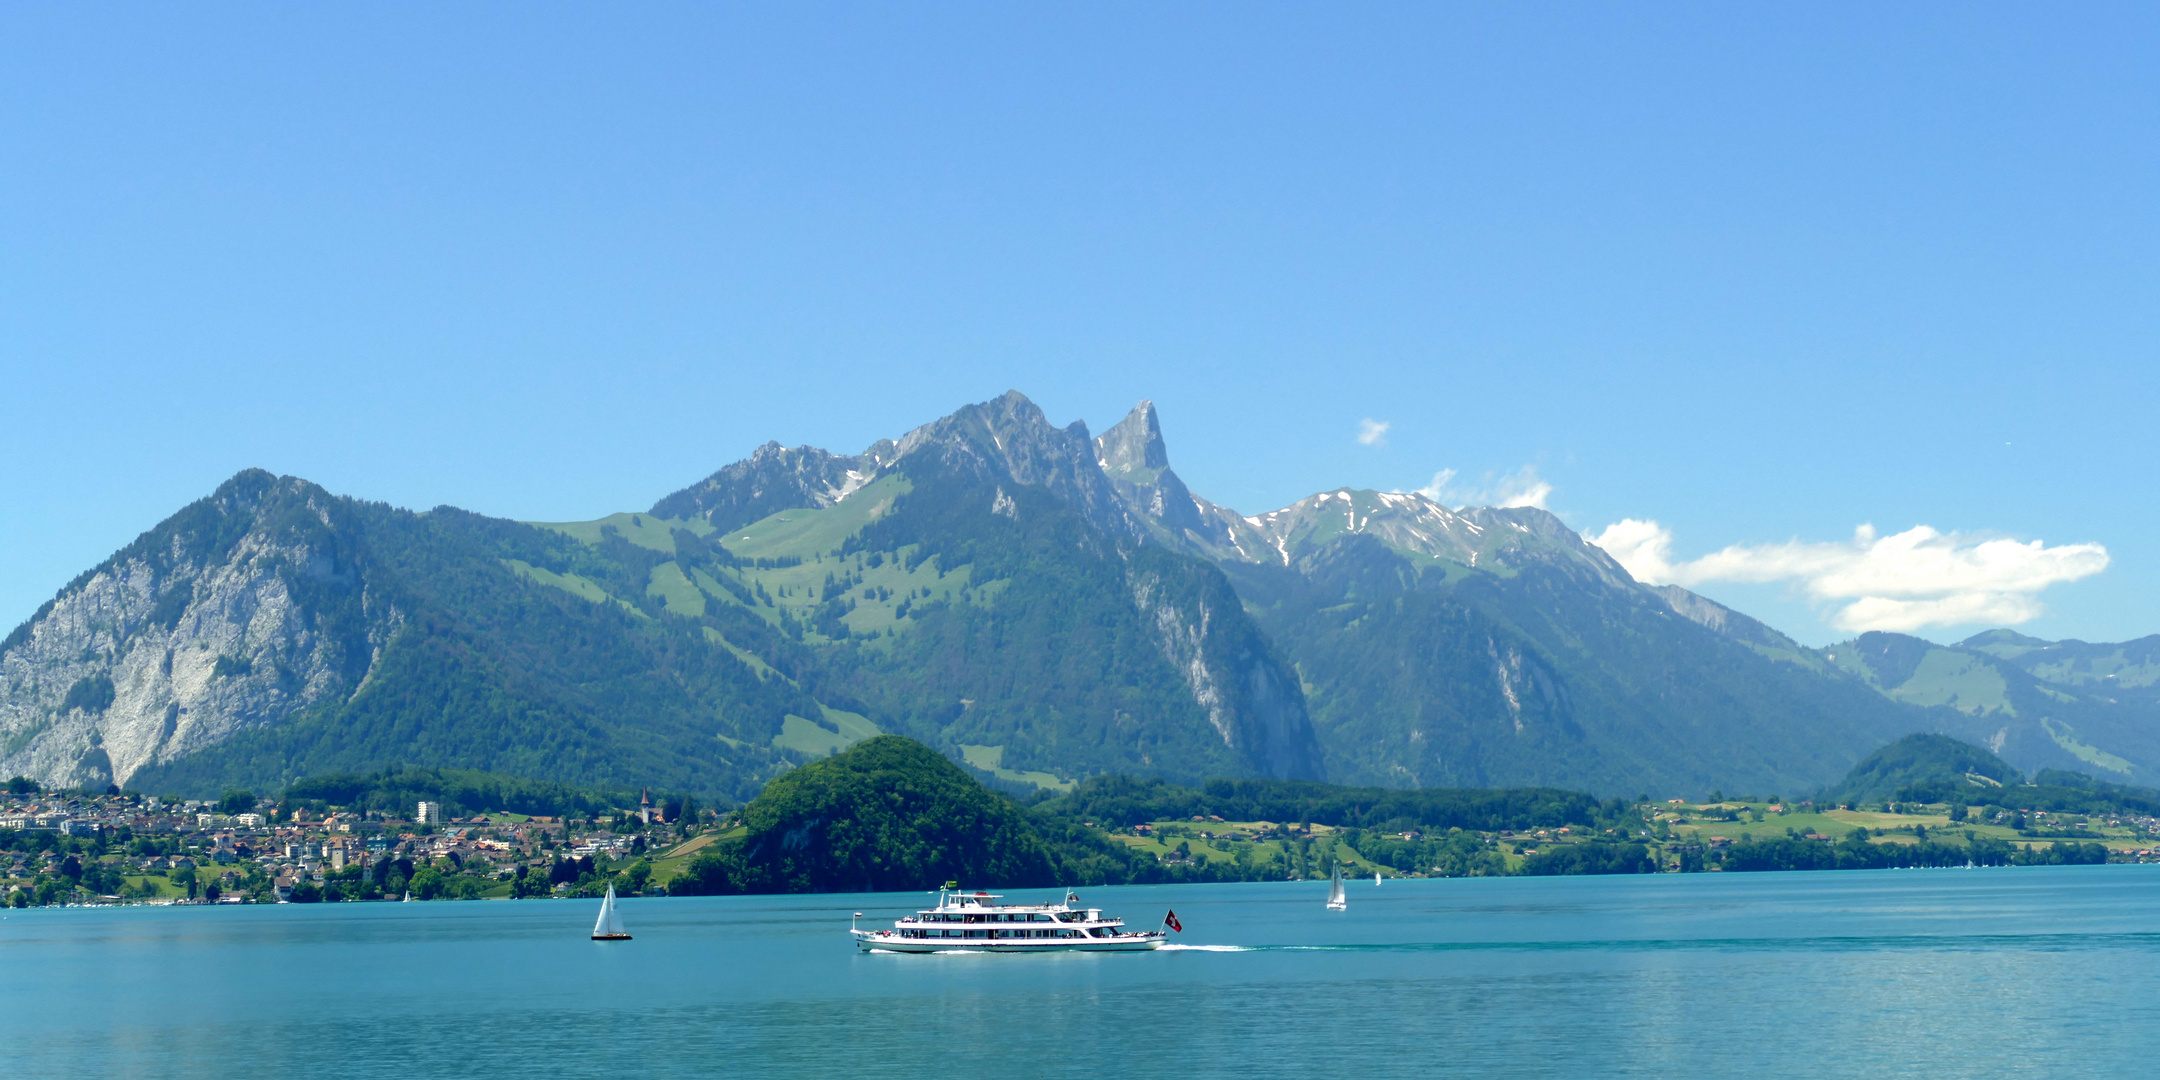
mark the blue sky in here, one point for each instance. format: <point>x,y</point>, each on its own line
<point>1759,275</point>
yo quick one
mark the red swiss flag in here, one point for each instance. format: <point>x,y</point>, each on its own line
<point>1170,921</point>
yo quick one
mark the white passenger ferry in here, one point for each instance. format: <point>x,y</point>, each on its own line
<point>971,922</point>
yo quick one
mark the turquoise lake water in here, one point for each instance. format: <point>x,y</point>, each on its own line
<point>2042,972</point>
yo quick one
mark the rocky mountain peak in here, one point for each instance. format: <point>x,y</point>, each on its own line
<point>244,608</point>
<point>1133,449</point>
<point>771,479</point>
<point>1009,437</point>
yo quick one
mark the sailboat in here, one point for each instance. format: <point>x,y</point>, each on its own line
<point>609,926</point>
<point>1336,901</point>
<point>1376,877</point>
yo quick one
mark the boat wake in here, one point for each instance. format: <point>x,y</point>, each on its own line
<point>1205,948</point>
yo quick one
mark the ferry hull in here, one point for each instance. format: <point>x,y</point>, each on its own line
<point>872,941</point>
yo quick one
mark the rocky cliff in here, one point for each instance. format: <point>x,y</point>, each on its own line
<point>243,609</point>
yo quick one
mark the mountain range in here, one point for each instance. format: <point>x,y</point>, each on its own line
<point>1041,604</point>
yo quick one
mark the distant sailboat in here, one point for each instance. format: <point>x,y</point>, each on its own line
<point>1376,877</point>
<point>609,926</point>
<point>1336,901</point>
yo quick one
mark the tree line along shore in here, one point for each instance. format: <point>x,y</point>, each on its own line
<point>893,814</point>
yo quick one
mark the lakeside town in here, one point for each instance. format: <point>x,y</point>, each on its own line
<point>81,848</point>
<point>73,848</point>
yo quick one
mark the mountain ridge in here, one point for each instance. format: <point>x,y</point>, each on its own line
<point>1055,604</point>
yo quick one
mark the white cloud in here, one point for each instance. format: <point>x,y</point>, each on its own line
<point>1905,581</point>
<point>1523,487</point>
<point>1372,432</point>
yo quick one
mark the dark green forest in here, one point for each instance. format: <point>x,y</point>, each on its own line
<point>1129,800</point>
<point>886,814</point>
<point>1856,853</point>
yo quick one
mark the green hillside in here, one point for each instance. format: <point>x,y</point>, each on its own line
<point>1925,768</point>
<point>886,814</point>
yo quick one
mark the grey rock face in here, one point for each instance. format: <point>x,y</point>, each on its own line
<point>1723,620</point>
<point>1005,437</point>
<point>1249,697</point>
<point>215,622</point>
<point>1134,458</point>
<point>1133,449</point>
<point>1008,436</point>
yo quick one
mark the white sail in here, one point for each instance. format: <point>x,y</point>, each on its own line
<point>609,924</point>
<point>1376,877</point>
<point>1336,901</point>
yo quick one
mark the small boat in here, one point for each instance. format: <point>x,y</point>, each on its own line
<point>408,897</point>
<point>1336,901</point>
<point>609,926</point>
<point>1376,877</point>
<point>969,922</point>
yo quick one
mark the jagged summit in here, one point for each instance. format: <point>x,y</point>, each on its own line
<point>1123,483</point>
<point>1133,450</point>
<point>1007,437</point>
<point>771,479</point>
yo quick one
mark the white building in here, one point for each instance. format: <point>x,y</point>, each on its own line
<point>429,814</point>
